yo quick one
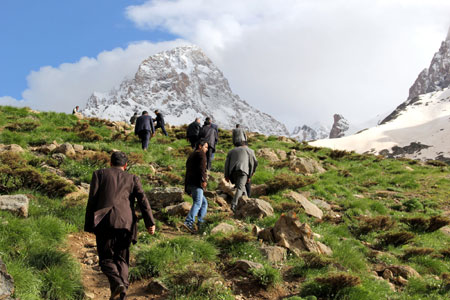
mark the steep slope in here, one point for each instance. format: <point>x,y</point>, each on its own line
<point>182,83</point>
<point>418,131</point>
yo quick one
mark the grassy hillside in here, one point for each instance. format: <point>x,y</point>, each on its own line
<point>385,212</point>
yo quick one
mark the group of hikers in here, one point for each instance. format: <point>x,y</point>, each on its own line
<point>110,211</point>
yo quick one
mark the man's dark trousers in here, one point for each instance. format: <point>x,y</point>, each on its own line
<point>162,128</point>
<point>113,247</point>
<point>144,136</point>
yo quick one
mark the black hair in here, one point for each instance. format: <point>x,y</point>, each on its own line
<point>156,111</point>
<point>208,119</point>
<point>237,125</point>
<point>118,159</point>
<point>201,143</point>
<point>144,112</point>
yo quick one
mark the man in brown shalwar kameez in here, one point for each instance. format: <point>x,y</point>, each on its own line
<point>110,214</point>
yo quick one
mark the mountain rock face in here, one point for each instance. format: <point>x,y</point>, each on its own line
<point>437,76</point>
<point>183,84</point>
<point>340,126</point>
<point>310,133</point>
<point>419,127</point>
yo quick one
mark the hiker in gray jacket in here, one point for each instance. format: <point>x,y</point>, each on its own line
<point>240,166</point>
<point>239,135</point>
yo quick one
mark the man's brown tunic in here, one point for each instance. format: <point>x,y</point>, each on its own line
<point>110,214</point>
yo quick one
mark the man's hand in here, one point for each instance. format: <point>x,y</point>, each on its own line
<point>151,229</point>
<point>204,183</point>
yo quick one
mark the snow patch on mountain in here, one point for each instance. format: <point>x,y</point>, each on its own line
<point>309,133</point>
<point>419,131</point>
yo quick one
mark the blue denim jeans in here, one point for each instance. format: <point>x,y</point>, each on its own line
<point>199,206</point>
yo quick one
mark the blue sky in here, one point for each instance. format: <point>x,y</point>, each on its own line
<point>37,33</point>
<point>299,60</point>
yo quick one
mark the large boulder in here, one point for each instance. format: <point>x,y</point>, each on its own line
<point>222,227</point>
<point>17,204</point>
<point>252,207</point>
<point>6,283</point>
<point>66,149</point>
<point>259,190</point>
<point>181,209</point>
<point>290,233</point>
<point>12,147</point>
<point>305,165</point>
<point>267,154</point>
<point>160,197</point>
<point>226,187</point>
<point>245,265</point>
<point>309,207</point>
<point>273,253</point>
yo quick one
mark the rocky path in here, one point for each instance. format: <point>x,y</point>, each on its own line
<point>82,246</point>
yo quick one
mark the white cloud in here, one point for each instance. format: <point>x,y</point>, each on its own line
<point>10,101</point>
<point>62,88</point>
<point>302,61</point>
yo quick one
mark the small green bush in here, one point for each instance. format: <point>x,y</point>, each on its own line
<point>266,276</point>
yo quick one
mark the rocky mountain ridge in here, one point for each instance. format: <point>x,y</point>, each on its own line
<point>182,83</point>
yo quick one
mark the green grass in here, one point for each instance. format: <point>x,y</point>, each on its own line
<point>361,187</point>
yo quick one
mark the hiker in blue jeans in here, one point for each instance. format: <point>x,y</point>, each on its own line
<point>194,184</point>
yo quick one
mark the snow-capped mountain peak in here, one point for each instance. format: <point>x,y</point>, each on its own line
<point>183,83</point>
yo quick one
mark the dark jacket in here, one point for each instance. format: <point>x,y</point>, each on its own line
<point>133,119</point>
<point>195,170</point>
<point>112,198</point>
<point>144,122</point>
<point>209,134</point>
<point>193,130</point>
<point>159,120</point>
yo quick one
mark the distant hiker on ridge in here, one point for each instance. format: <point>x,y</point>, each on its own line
<point>195,184</point>
<point>144,129</point>
<point>193,132</point>
<point>76,110</point>
<point>240,166</point>
<point>133,119</point>
<point>239,135</point>
<point>209,134</point>
<point>160,122</point>
<point>110,214</point>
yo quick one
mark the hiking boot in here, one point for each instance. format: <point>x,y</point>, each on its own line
<point>189,228</point>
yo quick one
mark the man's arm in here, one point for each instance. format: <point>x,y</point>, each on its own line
<point>144,205</point>
<point>90,207</point>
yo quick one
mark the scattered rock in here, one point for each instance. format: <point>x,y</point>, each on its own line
<point>322,204</point>
<point>310,208</point>
<point>157,287</point>
<point>17,204</point>
<point>181,209</point>
<point>12,147</point>
<point>274,253</point>
<point>266,235</point>
<point>66,149</point>
<point>445,230</point>
<point>222,227</point>
<point>401,281</point>
<point>221,201</point>
<point>252,207</point>
<point>89,295</point>
<point>46,149</point>
<point>408,168</point>
<point>160,197</point>
<point>267,154</point>
<point>245,265</point>
<point>305,165</point>
<point>290,233</point>
<point>281,153</point>
<point>59,157</point>
<point>404,271</point>
<point>388,275</point>
<point>226,187</point>
<point>78,148</point>
<point>259,190</point>
<point>169,149</point>
<point>6,283</point>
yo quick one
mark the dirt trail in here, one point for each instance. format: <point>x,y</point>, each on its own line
<point>82,246</point>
